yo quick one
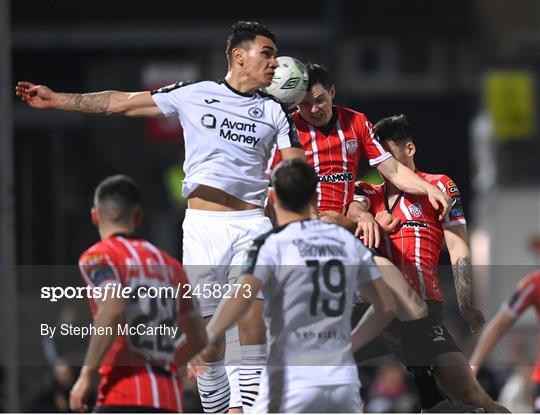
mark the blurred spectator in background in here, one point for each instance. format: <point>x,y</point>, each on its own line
<point>390,391</point>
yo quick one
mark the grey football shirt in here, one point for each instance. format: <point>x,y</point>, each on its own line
<point>228,136</point>
<point>310,271</point>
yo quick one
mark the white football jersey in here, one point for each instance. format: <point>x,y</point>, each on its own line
<point>228,136</point>
<point>310,271</point>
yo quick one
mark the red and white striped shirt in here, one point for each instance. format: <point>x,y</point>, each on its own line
<point>335,155</point>
<point>527,294</point>
<point>138,370</point>
<point>415,245</point>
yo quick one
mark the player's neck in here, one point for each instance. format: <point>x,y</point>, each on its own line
<point>106,231</point>
<point>241,83</point>
<point>284,217</point>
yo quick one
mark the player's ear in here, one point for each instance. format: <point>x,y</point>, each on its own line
<point>332,92</point>
<point>238,56</point>
<point>95,216</point>
<point>138,217</point>
<point>411,149</point>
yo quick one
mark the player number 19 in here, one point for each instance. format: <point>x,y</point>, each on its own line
<point>331,268</point>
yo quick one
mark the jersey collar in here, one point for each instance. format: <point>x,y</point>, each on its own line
<point>235,90</point>
<point>123,235</point>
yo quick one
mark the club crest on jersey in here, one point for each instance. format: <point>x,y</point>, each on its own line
<point>415,210</point>
<point>351,146</point>
<point>255,112</point>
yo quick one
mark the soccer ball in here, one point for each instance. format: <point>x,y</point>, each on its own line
<point>290,81</point>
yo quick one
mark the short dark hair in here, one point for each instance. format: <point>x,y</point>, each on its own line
<point>118,197</point>
<point>294,182</point>
<point>396,128</point>
<point>246,31</point>
<point>318,74</point>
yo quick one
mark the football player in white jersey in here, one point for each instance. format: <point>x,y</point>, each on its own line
<point>308,271</point>
<point>229,128</point>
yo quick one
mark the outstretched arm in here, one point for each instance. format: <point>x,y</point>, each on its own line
<point>409,182</point>
<point>458,248</point>
<point>131,104</point>
<point>492,334</point>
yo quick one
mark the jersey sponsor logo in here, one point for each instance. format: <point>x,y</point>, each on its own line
<point>312,250</point>
<point>211,101</point>
<point>208,121</point>
<point>308,152</point>
<point>255,112</point>
<point>416,210</point>
<point>351,146</point>
<point>452,188</point>
<point>414,224</point>
<point>229,131</point>
<point>337,177</point>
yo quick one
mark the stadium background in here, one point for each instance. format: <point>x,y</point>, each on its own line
<point>465,72</point>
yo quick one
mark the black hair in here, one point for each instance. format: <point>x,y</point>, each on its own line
<point>246,31</point>
<point>318,74</point>
<point>294,182</point>
<point>396,128</point>
<point>118,197</point>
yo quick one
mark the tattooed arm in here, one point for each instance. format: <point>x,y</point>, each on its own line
<point>132,104</point>
<point>456,241</point>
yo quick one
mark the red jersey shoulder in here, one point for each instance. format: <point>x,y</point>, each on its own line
<point>299,122</point>
<point>97,266</point>
<point>525,294</point>
<point>530,280</point>
<point>443,182</point>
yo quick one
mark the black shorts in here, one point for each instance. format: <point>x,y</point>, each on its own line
<point>536,398</point>
<point>389,341</point>
<point>128,409</point>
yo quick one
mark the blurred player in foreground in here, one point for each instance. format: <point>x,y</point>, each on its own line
<point>308,271</point>
<point>526,294</point>
<point>413,242</point>
<point>229,128</point>
<point>138,372</point>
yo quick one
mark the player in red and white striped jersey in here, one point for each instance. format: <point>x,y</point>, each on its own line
<point>139,371</point>
<point>335,138</point>
<point>413,243</point>
<point>416,244</point>
<point>526,294</point>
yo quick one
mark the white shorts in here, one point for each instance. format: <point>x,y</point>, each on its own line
<point>313,399</point>
<point>215,245</point>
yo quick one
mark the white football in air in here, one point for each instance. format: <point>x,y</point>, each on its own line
<point>290,81</point>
